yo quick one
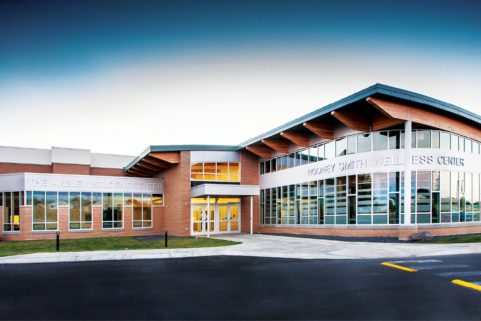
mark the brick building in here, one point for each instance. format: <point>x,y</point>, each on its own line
<point>381,162</point>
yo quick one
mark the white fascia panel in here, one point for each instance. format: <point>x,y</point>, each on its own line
<point>110,161</point>
<point>12,182</point>
<point>70,156</point>
<point>214,156</point>
<point>21,155</point>
<point>224,190</point>
<point>92,183</point>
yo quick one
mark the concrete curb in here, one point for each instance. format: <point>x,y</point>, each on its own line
<point>262,246</point>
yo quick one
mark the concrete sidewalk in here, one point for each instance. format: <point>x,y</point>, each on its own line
<point>263,246</point>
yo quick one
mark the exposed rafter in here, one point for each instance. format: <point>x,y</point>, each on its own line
<point>169,157</point>
<point>155,162</point>
<point>324,131</point>
<point>261,151</point>
<point>147,166</point>
<point>381,121</point>
<point>138,172</point>
<point>407,111</point>
<point>279,145</point>
<point>298,138</point>
<point>351,120</point>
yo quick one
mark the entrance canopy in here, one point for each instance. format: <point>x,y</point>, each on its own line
<point>224,190</point>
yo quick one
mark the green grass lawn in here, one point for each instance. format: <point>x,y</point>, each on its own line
<point>459,239</point>
<point>106,243</point>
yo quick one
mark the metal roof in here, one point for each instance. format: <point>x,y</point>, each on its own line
<point>363,94</point>
<point>179,148</point>
<point>358,96</point>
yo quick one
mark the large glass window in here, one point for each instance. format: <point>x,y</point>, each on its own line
<point>352,144</point>
<point>219,171</point>
<point>330,150</point>
<point>423,197</point>
<point>11,211</point>
<point>80,211</point>
<point>364,143</point>
<point>364,199</point>
<point>380,140</point>
<point>44,211</point>
<point>445,140</point>
<point>330,203</point>
<point>394,139</point>
<point>142,211</point>
<point>424,139</point>
<point>112,210</point>
<point>341,200</point>
<point>341,147</point>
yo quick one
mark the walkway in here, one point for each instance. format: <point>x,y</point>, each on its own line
<point>264,246</point>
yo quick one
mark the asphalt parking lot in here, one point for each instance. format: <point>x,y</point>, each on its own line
<point>224,287</point>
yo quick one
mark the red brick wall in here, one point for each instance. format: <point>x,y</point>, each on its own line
<point>249,176</point>
<point>176,213</point>
<point>56,168</point>
<point>70,169</point>
<point>245,216</point>
<point>249,168</point>
<point>106,171</point>
<point>6,168</point>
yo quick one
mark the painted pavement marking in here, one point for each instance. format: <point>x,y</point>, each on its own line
<point>467,284</point>
<point>399,267</point>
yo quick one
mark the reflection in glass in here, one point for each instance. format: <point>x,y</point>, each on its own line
<point>380,140</point>
<point>364,143</point>
<point>341,147</point>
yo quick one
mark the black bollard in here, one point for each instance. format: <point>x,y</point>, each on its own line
<point>58,241</point>
<point>166,237</point>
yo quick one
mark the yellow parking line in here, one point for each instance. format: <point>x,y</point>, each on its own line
<point>467,284</point>
<point>400,267</point>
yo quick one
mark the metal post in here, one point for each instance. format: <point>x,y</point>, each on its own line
<point>166,237</point>
<point>252,215</point>
<point>208,216</point>
<point>58,241</point>
<point>407,171</point>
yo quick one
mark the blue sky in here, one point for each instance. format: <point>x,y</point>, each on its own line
<point>116,76</point>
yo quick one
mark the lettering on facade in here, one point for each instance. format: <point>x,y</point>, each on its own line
<point>385,161</point>
<point>440,160</point>
<point>321,170</point>
<point>55,183</point>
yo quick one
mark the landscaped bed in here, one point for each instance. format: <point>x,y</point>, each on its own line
<point>107,244</point>
<point>471,238</point>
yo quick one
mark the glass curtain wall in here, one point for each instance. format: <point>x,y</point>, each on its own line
<point>375,198</point>
<point>367,142</point>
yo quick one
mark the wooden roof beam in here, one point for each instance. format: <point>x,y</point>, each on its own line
<point>380,121</point>
<point>279,145</point>
<point>155,162</point>
<point>147,166</point>
<point>261,151</point>
<point>324,131</point>
<point>409,111</point>
<point>137,172</point>
<point>298,138</point>
<point>169,157</point>
<point>351,120</point>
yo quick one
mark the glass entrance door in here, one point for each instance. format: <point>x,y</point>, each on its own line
<point>200,219</point>
<point>228,218</point>
<point>224,216</point>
